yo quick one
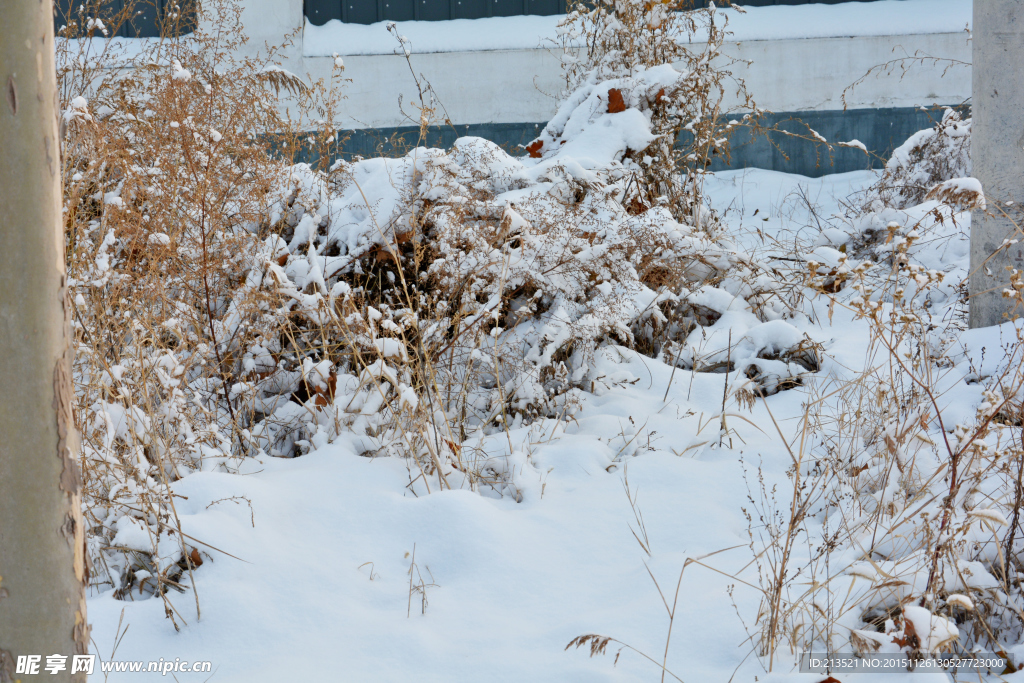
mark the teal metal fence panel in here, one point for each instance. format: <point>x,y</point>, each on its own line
<point>319,12</point>
<point>146,20</point>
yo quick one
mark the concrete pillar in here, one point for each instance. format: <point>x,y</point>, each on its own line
<point>997,153</point>
<point>267,22</point>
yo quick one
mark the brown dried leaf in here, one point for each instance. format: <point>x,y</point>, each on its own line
<point>615,101</point>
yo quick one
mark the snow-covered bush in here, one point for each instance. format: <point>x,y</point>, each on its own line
<point>909,471</point>
<point>684,104</point>
<point>485,283</point>
<point>469,290</point>
<point>927,158</point>
<point>919,198</point>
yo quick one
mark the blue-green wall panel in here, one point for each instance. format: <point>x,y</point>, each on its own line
<point>881,131</point>
<point>371,11</point>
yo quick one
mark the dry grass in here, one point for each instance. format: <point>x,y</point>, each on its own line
<point>889,496</point>
<point>167,183</point>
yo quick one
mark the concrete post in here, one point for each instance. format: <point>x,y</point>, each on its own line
<point>997,153</point>
<point>267,22</point>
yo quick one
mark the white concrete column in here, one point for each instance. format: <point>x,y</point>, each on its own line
<point>267,22</point>
<point>997,153</point>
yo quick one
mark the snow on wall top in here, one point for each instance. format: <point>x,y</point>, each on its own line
<point>880,18</point>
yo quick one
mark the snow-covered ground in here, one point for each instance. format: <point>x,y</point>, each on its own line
<point>716,419</point>
<point>310,579</point>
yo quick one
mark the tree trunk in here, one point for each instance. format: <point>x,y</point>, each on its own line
<point>42,547</point>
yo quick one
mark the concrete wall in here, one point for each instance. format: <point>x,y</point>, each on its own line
<point>514,86</point>
<point>811,74</point>
<point>506,94</point>
<point>507,86</point>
